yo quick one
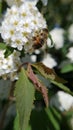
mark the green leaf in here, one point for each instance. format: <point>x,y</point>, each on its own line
<point>0,7</point>
<point>8,51</point>
<point>67,68</point>
<point>69,113</point>
<point>39,120</point>
<point>2,46</point>
<point>52,119</point>
<point>63,87</point>
<point>16,123</point>
<point>57,114</point>
<point>43,120</point>
<point>24,93</point>
<point>50,37</point>
<point>47,72</point>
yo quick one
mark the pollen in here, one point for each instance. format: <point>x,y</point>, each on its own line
<point>23,14</point>
<point>12,32</point>
<point>18,41</point>
<point>34,21</point>
<point>26,25</point>
<point>16,23</point>
<point>25,34</point>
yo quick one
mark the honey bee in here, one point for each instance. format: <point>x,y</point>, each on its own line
<point>40,38</point>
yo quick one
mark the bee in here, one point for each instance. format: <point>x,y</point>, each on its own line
<point>40,38</point>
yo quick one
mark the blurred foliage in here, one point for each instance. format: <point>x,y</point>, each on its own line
<point>61,14</point>
<point>47,119</point>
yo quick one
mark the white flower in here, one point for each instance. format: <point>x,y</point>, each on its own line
<point>57,37</point>
<point>19,2</point>
<point>14,2</point>
<point>62,101</point>
<point>37,51</point>
<point>33,58</point>
<point>20,25</point>
<point>70,33</point>
<point>49,61</point>
<point>70,54</point>
<point>9,65</point>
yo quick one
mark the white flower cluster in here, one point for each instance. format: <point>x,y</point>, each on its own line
<point>49,61</point>
<point>14,2</point>
<point>62,101</point>
<point>70,54</point>
<point>70,33</point>
<point>57,35</point>
<point>19,2</point>
<point>9,65</point>
<point>20,25</point>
